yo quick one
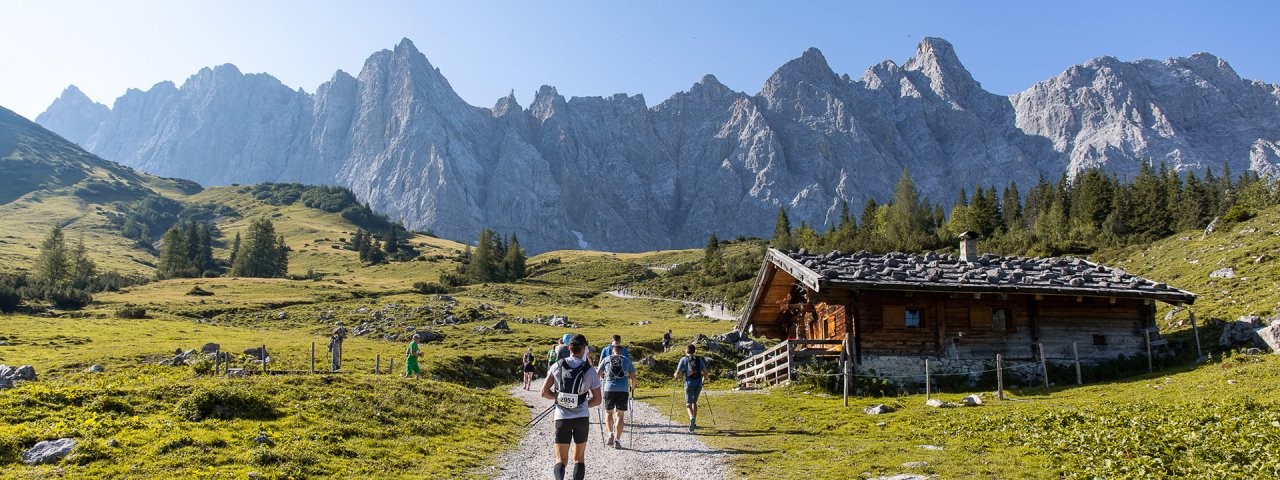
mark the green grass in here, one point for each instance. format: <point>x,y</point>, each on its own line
<point>1185,423</point>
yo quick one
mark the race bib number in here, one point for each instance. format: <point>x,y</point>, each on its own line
<point>568,401</point>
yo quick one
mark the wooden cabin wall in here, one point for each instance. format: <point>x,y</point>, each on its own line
<point>1063,320</point>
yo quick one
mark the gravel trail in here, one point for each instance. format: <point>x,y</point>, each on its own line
<point>660,450</point>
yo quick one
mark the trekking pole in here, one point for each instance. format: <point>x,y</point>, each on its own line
<point>707,400</point>
<point>631,412</point>
<point>600,413</point>
<point>671,412</point>
<point>538,418</point>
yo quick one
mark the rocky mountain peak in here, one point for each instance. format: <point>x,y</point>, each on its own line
<point>811,67</point>
<point>73,115</point>
<point>505,105</point>
<point>936,60</point>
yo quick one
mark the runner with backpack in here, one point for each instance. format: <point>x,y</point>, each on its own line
<point>575,388</point>
<point>666,341</point>
<point>528,367</point>
<point>411,355</point>
<point>694,371</point>
<point>619,374</point>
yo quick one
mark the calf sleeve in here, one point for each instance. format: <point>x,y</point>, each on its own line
<point>579,471</point>
<point>559,471</point>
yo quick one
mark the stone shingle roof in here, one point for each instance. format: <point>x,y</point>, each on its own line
<point>986,273</point>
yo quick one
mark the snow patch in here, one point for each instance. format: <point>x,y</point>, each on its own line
<point>582,244</point>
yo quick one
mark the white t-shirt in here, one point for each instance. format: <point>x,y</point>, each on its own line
<point>592,382</point>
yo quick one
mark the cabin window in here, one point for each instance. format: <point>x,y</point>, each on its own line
<point>1099,340</point>
<point>1000,318</point>
<point>913,316</point>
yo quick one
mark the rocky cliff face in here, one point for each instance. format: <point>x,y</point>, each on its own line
<point>615,173</point>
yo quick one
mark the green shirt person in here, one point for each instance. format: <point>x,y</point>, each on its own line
<point>412,354</point>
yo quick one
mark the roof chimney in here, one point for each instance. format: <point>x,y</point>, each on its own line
<point>969,247</point>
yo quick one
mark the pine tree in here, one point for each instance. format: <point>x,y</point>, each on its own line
<point>392,245</point>
<point>174,262</point>
<point>1011,208</point>
<point>712,259</point>
<point>53,266</point>
<point>263,254</point>
<point>484,259</point>
<point>204,242</point>
<point>907,227</point>
<point>514,261</point>
<point>82,267</point>
<point>782,232</point>
<point>235,249</point>
<point>282,258</point>
<point>868,226</point>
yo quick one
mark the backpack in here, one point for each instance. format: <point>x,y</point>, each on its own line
<point>615,367</point>
<point>562,352</point>
<point>693,367</point>
<point>571,385</point>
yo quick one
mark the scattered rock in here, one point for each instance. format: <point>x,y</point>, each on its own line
<point>113,443</point>
<point>48,451</point>
<point>931,447</point>
<point>648,361</point>
<point>1231,381</point>
<point>501,325</point>
<point>25,372</point>
<point>935,403</point>
<point>264,439</point>
<point>5,384</point>
<point>903,476</point>
<point>95,369</point>
<point>972,400</point>
<point>1253,351</point>
<point>1240,331</point>
<point>916,464</point>
<point>210,348</point>
<point>1269,336</point>
<point>256,352</point>
<point>1227,272</point>
<point>879,409</point>
<point>882,424</point>
<point>1262,258</point>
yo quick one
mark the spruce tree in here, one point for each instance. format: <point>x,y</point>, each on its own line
<point>782,232</point>
<point>53,266</point>
<point>204,241</point>
<point>174,262</point>
<point>235,249</point>
<point>1011,208</point>
<point>907,228</point>
<point>282,258</point>
<point>263,253</point>
<point>712,259</point>
<point>82,267</point>
<point>484,259</point>
<point>392,245</point>
<point>514,261</point>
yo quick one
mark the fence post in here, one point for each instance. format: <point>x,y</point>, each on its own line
<point>790,376</point>
<point>1146,332</point>
<point>313,357</point>
<point>844,352</point>
<point>1044,365</point>
<point>377,364</point>
<point>263,354</point>
<point>1196,331</point>
<point>999,376</point>
<point>1075,351</point>
<point>928,382</point>
<point>217,362</point>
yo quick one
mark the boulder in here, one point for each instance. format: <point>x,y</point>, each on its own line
<point>5,383</point>
<point>648,361</point>
<point>1240,331</point>
<point>1227,272</point>
<point>935,403</point>
<point>1270,336</point>
<point>25,372</point>
<point>256,352</point>
<point>501,325</point>
<point>6,371</point>
<point>48,451</point>
<point>210,348</point>
<point>95,369</point>
<point>972,401</point>
<point>879,409</point>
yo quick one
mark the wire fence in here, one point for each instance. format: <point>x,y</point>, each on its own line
<point>922,374</point>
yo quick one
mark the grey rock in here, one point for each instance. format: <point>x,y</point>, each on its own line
<point>263,439</point>
<point>210,348</point>
<point>95,369</point>
<point>48,451</point>
<point>617,173</point>
<point>257,352</point>
<point>931,447</point>
<point>1269,336</point>
<point>25,372</point>
<point>113,443</point>
<point>917,464</point>
<point>935,403</point>
<point>501,325</point>
<point>1239,332</point>
<point>1226,272</point>
<point>879,409</point>
<point>972,400</point>
<point>6,371</point>
<point>5,383</point>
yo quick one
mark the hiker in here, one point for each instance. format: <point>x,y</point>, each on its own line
<point>411,356</point>
<point>553,354</point>
<point>666,341</point>
<point>619,374</point>
<point>694,370</point>
<point>528,367</point>
<point>562,349</point>
<point>568,383</point>
<point>335,347</point>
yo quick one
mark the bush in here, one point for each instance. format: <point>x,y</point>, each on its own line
<point>428,288</point>
<point>1238,213</point>
<point>225,402</point>
<point>10,299</point>
<point>69,298</point>
<point>131,312</point>
<point>196,291</point>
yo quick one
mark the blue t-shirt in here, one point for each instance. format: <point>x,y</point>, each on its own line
<point>620,384</point>
<point>608,350</point>
<point>683,368</point>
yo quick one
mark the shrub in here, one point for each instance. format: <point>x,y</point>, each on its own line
<point>225,402</point>
<point>131,312</point>
<point>10,298</point>
<point>429,288</point>
<point>196,291</point>
<point>1238,213</point>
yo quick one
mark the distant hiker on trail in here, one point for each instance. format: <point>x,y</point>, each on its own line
<point>562,350</point>
<point>411,356</point>
<point>619,374</point>
<point>575,387</point>
<point>335,347</point>
<point>694,370</point>
<point>553,355</point>
<point>666,341</point>
<point>528,367</point>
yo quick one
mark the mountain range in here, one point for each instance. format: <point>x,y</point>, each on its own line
<point>615,173</point>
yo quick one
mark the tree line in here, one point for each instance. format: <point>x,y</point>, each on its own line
<point>62,275</point>
<point>1069,215</point>
<point>186,251</point>
<point>493,260</point>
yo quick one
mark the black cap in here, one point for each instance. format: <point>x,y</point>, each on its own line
<point>578,339</point>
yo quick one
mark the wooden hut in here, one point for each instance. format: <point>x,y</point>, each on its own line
<point>889,312</point>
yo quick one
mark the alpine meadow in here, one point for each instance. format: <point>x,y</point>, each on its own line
<point>897,275</point>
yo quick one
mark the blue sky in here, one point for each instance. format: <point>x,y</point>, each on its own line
<point>598,47</point>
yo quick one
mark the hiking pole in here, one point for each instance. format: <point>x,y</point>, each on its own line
<point>600,413</point>
<point>706,399</point>
<point>631,412</point>
<point>671,412</point>
<point>538,418</point>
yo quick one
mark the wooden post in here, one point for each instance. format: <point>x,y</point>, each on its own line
<point>1196,331</point>
<point>846,358</point>
<point>1150,365</point>
<point>217,362</point>
<point>1075,351</point>
<point>313,357</point>
<point>928,382</point>
<point>391,365</point>
<point>1044,365</point>
<point>263,353</point>
<point>790,378</point>
<point>377,365</point>
<point>999,376</point>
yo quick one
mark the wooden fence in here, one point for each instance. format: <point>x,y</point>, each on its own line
<point>777,365</point>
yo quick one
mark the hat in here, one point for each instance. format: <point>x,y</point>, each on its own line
<point>568,337</point>
<point>416,336</point>
<point>579,339</point>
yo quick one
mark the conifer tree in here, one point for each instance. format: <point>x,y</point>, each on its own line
<point>391,245</point>
<point>712,258</point>
<point>53,266</point>
<point>263,253</point>
<point>235,249</point>
<point>83,268</point>
<point>514,261</point>
<point>174,262</point>
<point>782,232</point>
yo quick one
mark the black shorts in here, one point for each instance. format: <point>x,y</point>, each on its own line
<point>616,400</point>
<point>575,429</point>
<point>528,368</point>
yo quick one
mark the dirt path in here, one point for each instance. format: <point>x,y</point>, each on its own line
<point>658,451</point>
<point>708,310</point>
